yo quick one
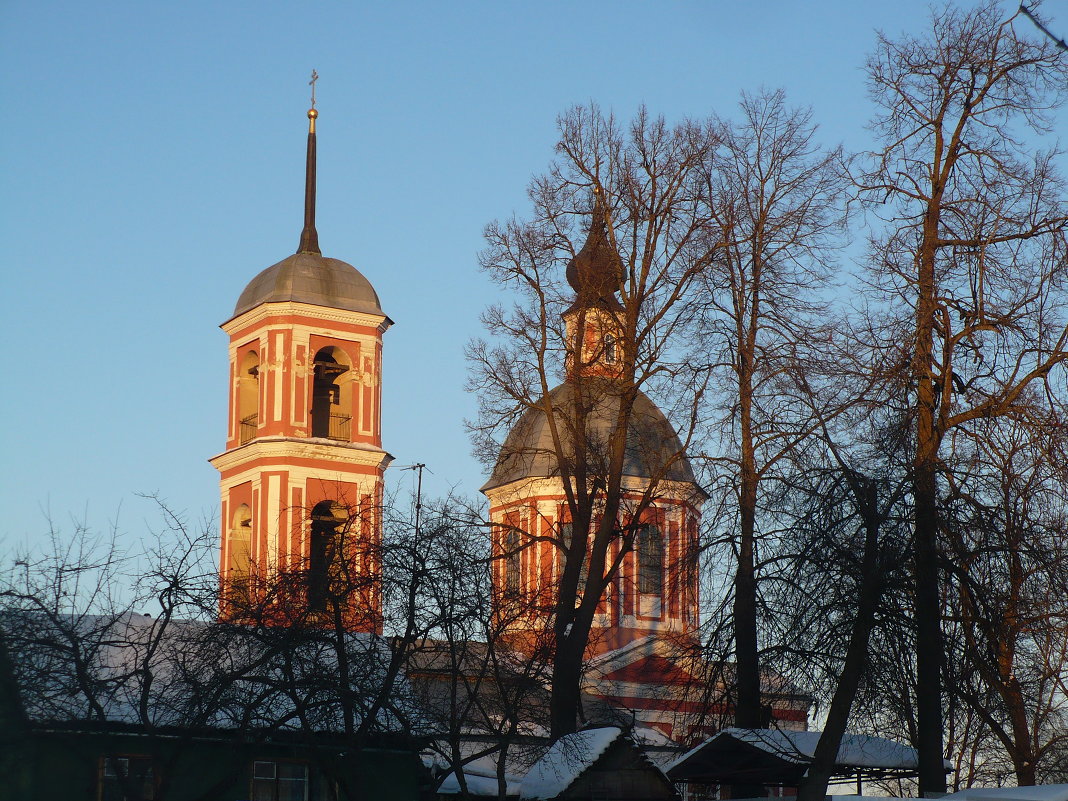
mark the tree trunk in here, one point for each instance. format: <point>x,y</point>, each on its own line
<point>814,785</point>
<point>748,712</point>
<point>565,684</point>
<point>928,611</point>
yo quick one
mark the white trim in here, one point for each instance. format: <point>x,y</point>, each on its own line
<point>668,493</point>
<point>351,453</point>
<point>257,315</point>
<point>277,362</point>
<point>274,512</point>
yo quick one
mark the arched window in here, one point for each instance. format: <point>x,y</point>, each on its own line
<point>650,560</point>
<point>240,550</point>
<point>331,396</point>
<point>248,396</point>
<point>325,561</point>
<point>610,354</point>
<point>511,562</point>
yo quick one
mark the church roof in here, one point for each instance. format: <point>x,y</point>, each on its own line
<point>307,276</point>
<point>653,448</point>
<point>311,278</point>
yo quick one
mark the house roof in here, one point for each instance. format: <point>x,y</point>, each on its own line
<point>1045,792</point>
<point>565,761</point>
<point>134,670</point>
<point>773,756</point>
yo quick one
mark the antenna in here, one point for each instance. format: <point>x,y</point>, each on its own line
<point>418,493</point>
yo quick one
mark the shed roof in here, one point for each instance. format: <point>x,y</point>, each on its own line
<point>774,756</point>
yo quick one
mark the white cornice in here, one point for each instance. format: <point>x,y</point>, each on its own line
<point>668,493</point>
<point>302,448</point>
<point>264,311</point>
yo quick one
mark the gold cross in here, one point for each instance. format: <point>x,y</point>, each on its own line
<point>314,78</point>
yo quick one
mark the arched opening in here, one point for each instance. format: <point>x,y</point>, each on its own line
<point>248,396</point>
<point>650,560</point>
<point>326,566</point>
<point>331,395</point>
<point>240,551</point>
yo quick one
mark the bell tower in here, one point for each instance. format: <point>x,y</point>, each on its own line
<point>302,474</point>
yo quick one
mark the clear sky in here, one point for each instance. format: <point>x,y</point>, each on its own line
<point>153,164</point>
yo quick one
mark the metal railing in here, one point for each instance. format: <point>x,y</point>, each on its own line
<point>333,426</point>
<point>248,428</point>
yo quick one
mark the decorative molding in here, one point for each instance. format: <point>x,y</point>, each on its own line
<point>302,448</point>
<point>259,314</point>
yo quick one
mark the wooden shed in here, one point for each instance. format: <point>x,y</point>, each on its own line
<point>600,763</point>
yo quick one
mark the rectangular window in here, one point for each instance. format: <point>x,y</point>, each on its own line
<point>127,778</point>
<point>650,560</point>
<point>279,781</point>
<point>511,563</point>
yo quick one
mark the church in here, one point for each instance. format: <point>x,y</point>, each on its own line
<point>302,480</point>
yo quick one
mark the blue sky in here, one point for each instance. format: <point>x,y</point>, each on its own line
<point>153,164</point>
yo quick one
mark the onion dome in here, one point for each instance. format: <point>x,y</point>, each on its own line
<point>308,276</point>
<point>596,271</point>
<point>653,449</point>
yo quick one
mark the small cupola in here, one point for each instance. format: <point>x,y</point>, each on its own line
<point>596,271</point>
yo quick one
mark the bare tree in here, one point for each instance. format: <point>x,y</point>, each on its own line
<point>1008,594</point>
<point>636,188</point>
<point>277,666</point>
<point>971,253</point>
<point>776,212</point>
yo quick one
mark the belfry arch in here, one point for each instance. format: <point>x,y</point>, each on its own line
<point>327,567</point>
<point>248,396</point>
<point>239,550</point>
<point>332,395</point>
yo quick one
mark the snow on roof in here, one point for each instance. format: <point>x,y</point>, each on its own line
<point>565,760</point>
<point>134,669</point>
<point>1041,792</point>
<point>647,735</point>
<point>478,785</point>
<point>856,750</point>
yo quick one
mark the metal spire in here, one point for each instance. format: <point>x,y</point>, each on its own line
<point>309,238</point>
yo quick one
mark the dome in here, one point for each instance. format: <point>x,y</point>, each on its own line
<point>651,441</point>
<point>596,271</point>
<point>311,278</point>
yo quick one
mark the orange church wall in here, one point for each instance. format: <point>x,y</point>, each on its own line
<point>620,619</point>
<point>284,386</point>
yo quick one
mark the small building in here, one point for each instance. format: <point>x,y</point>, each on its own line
<point>601,763</point>
<point>131,708</point>
<point>777,757</point>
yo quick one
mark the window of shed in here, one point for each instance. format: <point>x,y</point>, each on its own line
<point>279,781</point>
<point>127,778</point>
